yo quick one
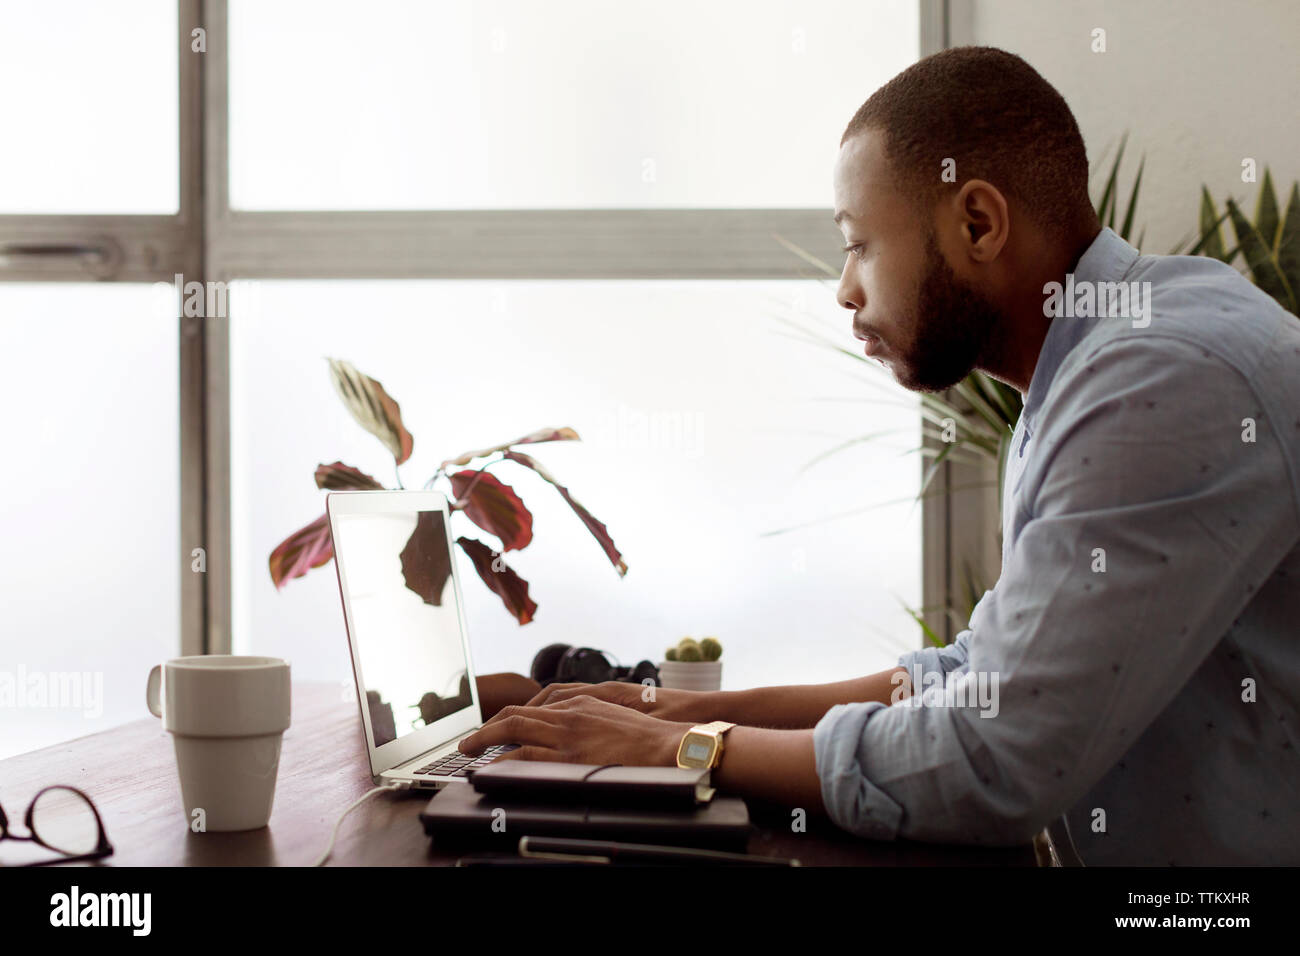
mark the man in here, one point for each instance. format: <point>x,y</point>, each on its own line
<point>1141,640</point>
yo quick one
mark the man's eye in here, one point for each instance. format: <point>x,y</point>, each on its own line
<point>854,249</point>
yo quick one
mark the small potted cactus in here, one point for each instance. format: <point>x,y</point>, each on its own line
<point>692,665</point>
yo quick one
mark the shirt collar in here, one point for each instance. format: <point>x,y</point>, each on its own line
<point>1107,259</point>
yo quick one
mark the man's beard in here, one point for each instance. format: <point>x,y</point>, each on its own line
<point>954,328</point>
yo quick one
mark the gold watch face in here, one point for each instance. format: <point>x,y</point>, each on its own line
<point>696,750</point>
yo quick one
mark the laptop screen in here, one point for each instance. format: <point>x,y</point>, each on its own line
<point>405,621</point>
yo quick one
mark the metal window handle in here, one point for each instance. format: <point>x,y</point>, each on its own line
<point>102,258</point>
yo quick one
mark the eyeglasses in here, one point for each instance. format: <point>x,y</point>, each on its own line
<point>68,824</point>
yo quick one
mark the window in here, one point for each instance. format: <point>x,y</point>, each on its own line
<point>575,105</point>
<point>582,202</point>
<point>90,124</point>
<point>696,415</point>
<point>89,506</point>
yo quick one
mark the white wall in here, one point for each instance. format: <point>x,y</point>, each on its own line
<point>1198,84</point>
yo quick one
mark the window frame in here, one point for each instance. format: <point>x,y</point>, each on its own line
<point>207,241</point>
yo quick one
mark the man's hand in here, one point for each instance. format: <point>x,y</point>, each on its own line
<point>581,729</point>
<point>695,706</point>
<point>775,765</point>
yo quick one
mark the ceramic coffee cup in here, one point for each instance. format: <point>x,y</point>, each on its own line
<point>226,715</point>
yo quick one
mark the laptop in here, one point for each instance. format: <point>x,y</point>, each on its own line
<point>406,631</point>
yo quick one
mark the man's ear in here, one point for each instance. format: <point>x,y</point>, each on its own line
<point>981,213</point>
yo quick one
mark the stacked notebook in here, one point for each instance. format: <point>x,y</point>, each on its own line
<point>513,798</point>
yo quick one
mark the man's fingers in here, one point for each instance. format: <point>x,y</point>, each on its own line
<point>548,692</point>
<point>527,753</point>
<point>540,698</point>
<point>516,728</point>
<point>559,703</point>
<point>512,710</point>
<point>553,695</point>
<point>563,692</point>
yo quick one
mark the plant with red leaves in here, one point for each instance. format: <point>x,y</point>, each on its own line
<point>483,498</point>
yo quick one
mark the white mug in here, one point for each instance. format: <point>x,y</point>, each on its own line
<point>226,715</point>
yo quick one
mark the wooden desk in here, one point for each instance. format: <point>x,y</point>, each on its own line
<point>130,772</point>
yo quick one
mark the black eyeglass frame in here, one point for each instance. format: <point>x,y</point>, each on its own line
<point>103,849</point>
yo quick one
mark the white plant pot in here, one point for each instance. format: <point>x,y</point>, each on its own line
<point>691,675</point>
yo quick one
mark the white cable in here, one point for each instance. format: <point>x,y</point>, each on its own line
<point>400,785</point>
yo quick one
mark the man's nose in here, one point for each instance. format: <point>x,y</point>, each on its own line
<point>849,294</point>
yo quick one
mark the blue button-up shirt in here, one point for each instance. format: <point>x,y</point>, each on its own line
<point>1133,678</point>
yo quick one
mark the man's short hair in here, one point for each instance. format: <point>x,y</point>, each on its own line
<point>992,114</point>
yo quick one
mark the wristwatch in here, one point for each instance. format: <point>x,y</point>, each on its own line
<point>701,746</point>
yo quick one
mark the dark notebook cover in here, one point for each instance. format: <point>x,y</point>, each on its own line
<point>462,816</point>
<point>542,781</point>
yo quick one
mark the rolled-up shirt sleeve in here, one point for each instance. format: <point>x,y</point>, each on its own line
<point>930,663</point>
<point>1137,545</point>
<point>937,660</point>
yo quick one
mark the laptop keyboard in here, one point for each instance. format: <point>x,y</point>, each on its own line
<point>457,764</point>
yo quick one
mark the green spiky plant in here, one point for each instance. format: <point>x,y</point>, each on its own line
<point>689,650</point>
<point>1269,246</point>
<point>1108,204</point>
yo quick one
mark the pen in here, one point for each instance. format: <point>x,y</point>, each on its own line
<point>478,861</point>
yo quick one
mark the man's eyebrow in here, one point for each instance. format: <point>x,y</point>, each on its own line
<point>842,214</point>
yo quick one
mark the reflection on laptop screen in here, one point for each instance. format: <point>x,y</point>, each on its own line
<point>405,622</point>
